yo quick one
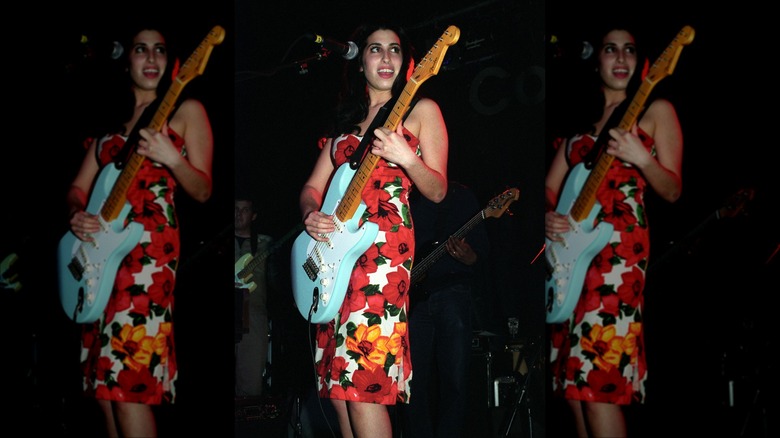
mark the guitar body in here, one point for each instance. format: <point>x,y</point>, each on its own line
<point>244,281</point>
<point>569,259</point>
<point>87,269</point>
<point>321,270</point>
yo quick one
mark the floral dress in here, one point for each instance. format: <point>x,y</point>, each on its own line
<point>128,354</point>
<point>598,355</point>
<point>363,354</point>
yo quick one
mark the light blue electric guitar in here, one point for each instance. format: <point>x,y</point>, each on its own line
<point>87,269</point>
<point>321,270</point>
<point>568,260</point>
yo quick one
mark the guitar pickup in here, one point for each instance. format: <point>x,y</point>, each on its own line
<point>310,268</point>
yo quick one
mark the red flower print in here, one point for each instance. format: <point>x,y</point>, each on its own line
<point>623,216</point>
<point>161,290</point>
<point>145,210</point>
<point>103,368</point>
<point>345,148</point>
<point>376,304</point>
<point>630,292</point>
<point>110,148</point>
<point>141,304</point>
<point>375,187</point>
<point>338,366</point>
<point>132,263</point>
<point>399,246</point>
<point>609,386</point>
<point>384,213</point>
<point>373,386</point>
<point>367,261</point>
<point>325,334</point>
<point>573,366</point>
<point>397,287</point>
<point>609,196</point>
<point>164,246</point>
<point>611,304</point>
<point>632,247</point>
<point>580,149</point>
<point>138,386</point>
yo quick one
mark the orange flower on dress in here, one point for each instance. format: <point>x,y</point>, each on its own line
<point>396,341</point>
<point>133,343</point>
<point>160,344</point>
<point>369,343</point>
<point>606,347</point>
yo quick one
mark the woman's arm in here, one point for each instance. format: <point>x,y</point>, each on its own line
<point>81,222</point>
<point>554,223</point>
<point>664,171</point>
<point>310,199</point>
<point>193,172</point>
<point>429,172</point>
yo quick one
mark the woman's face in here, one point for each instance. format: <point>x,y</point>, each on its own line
<point>382,59</point>
<point>148,59</point>
<point>617,59</point>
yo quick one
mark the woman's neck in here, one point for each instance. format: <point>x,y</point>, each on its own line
<point>378,98</point>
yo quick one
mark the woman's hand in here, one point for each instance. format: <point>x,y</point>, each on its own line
<point>392,146</point>
<point>318,225</point>
<point>157,146</point>
<point>83,224</point>
<point>627,146</point>
<point>555,224</point>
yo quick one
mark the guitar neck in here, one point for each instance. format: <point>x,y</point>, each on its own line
<point>420,268</point>
<point>587,198</point>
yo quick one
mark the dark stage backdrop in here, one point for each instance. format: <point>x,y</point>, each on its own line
<point>63,91</point>
<point>710,277</point>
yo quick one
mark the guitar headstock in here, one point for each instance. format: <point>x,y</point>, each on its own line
<point>665,64</point>
<point>196,63</point>
<point>736,203</point>
<point>498,205</point>
<point>431,63</point>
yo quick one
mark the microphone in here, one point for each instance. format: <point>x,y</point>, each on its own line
<point>92,50</point>
<point>347,51</point>
<point>582,50</point>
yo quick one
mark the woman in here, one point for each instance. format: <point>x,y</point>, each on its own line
<point>127,356</point>
<point>598,355</point>
<point>362,356</point>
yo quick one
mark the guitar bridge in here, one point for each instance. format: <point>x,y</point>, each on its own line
<point>310,267</point>
<point>76,269</point>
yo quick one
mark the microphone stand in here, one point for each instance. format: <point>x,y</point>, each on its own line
<point>300,65</point>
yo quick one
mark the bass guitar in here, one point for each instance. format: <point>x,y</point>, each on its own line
<point>321,270</point>
<point>495,208</point>
<point>568,260</point>
<point>87,269</point>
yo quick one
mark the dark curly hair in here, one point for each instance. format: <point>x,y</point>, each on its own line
<point>352,107</point>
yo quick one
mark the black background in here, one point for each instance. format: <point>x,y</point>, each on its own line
<point>708,305</point>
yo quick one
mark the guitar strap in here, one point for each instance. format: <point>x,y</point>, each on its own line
<point>379,120</point>
<point>135,135</point>
<point>604,137</point>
